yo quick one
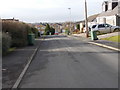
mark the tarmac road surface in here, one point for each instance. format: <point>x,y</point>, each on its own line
<point>65,62</point>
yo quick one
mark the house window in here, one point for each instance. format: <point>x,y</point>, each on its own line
<point>106,7</point>
<point>114,4</point>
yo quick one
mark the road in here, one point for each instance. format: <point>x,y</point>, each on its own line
<point>66,62</point>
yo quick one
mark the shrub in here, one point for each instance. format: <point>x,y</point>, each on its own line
<point>6,43</point>
<point>78,26</point>
<point>67,31</point>
<point>52,30</point>
<point>35,31</point>
<point>18,32</point>
<point>47,30</point>
<point>77,31</point>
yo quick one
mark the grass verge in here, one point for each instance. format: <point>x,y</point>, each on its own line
<point>113,38</point>
<point>11,49</point>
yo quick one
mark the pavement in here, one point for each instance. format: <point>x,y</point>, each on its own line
<point>15,62</point>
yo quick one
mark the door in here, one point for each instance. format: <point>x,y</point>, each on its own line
<point>108,28</point>
<point>101,28</point>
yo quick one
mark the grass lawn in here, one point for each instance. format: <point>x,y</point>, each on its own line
<point>113,38</point>
<point>11,49</point>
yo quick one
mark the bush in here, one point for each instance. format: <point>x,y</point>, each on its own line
<point>35,31</point>
<point>52,30</point>
<point>67,31</point>
<point>77,31</point>
<point>18,32</point>
<point>6,43</point>
<point>47,30</point>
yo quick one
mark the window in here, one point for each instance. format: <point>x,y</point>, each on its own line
<point>93,26</point>
<point>106,25</point>
<point>101,26</point>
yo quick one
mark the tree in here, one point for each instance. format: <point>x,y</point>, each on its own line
<point>52,30</point>
<point>47,29</point>
<point>35,31</point>
<point>78,26</point>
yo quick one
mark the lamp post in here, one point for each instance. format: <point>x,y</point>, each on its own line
<point>70,21</point>
<point>86,20</point>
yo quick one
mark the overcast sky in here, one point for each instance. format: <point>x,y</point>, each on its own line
<point>48,10</point>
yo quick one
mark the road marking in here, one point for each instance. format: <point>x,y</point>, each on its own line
<point>102,45</point>
<point>24,70</point>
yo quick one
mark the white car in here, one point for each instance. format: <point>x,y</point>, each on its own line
<point>105,28</point>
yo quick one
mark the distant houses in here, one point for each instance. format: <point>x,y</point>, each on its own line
<point>41,27</point>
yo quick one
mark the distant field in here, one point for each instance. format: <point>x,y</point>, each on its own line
<point>113,38</point>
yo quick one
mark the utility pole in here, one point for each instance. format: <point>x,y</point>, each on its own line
<point>70,21</point>
<point>86,20</point>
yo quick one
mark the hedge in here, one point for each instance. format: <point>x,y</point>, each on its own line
<point>18,32</point>
<point>6,42</point>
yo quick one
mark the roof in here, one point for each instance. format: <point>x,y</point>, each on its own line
<point>105,2</point>
<point>92,18</point>
<point>10,20</point>
<point>109,12</point>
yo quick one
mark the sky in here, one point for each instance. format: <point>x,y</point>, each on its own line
<point>35,11</point>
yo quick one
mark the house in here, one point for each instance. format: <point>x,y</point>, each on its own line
<point>91,21</point>
<point>110,13</point>
<point>10,20</point>
<point>41,27</point>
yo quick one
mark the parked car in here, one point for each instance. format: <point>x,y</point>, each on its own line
<point>105,28</point>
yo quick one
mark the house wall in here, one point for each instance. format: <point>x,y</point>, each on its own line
<point>81,27</point>
<point>112,20</point>
<point>118,21</point>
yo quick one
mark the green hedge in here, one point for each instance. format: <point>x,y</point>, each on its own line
<point>6,43</point>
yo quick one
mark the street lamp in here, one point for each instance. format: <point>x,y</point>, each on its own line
<point>86,20</point>
<point>70,20</point>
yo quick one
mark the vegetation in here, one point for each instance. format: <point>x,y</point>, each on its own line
<point>49,30</point>
<point>67,31</point>
<point>19,32</point>
<point>77,31</point>
<point>113,38</point>
<point>6,43</point>
<point>35,31</point>
<point>52,30</point>
<point>15,34</point>
<point>78,26</point>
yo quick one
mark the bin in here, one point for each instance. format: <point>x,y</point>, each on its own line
<point>31,39</point>
<point>94,35</point>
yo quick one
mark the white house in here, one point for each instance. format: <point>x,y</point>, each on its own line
<point>110,13</point>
